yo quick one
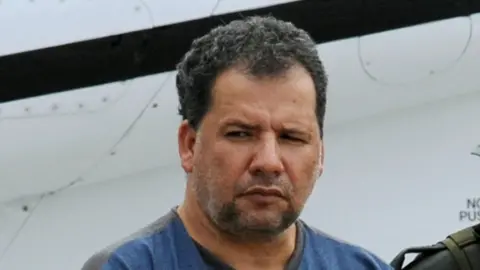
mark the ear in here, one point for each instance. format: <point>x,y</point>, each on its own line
<point>186,143</point>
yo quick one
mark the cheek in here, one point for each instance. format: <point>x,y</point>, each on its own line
<point>218,175</point>
<point>302,171</point>
<point>224,174</point>
<point>229,161</point>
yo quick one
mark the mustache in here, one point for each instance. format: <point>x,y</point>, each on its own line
<point>265,182</point>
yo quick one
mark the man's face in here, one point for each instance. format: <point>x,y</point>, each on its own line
<point>253,162</point>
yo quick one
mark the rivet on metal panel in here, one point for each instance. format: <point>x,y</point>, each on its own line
<point>27,109</point>
<point>54,107</point>
<point>104,99</point>
<point>154,105</point>
<point>137,8</point>
<point>112,153</point>
<point>25,208</point>
<point>80,105</point>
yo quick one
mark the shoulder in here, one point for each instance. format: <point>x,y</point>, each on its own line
<point>133,252</point>
<point>341,254</point>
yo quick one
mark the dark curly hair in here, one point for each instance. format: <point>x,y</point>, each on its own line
<point>263,46</point>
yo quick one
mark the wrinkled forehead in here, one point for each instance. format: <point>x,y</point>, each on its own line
<point>287,95</point>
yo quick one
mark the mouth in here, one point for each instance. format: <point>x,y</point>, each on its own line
<point>265,192</point>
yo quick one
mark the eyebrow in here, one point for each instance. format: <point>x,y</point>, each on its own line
<point>295,131</point>
<point>241,124</point>
<point>255,127</point>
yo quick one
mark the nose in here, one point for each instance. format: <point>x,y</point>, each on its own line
<point>267,160</point>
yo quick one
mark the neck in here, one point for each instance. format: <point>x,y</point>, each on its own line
<point>272,254</point>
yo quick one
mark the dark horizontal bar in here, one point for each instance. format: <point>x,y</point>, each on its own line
<point>157,50</point>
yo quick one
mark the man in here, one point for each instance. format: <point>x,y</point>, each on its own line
<point>252,96</point>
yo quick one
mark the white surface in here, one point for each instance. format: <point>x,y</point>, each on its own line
<point>41,24</point>
<point>166,12</point>
<point>45,151</point>
<point>353,94</point>
<point>390,182</point>
<point>446,43</point>
<point>64,229</point>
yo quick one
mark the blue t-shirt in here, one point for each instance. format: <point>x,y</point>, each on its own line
<point>166,245</point>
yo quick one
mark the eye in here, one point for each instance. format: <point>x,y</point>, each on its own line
<point>238,134</point>
<point>291,138</point>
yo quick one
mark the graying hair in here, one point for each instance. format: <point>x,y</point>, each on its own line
<point>261,46</point>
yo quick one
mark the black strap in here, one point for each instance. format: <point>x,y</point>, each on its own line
<point>458,254</point>
<point>455,243</point>
<point>398,261</point>
<point>476,229</point>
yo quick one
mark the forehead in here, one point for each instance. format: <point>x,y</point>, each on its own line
<point>289,96</point>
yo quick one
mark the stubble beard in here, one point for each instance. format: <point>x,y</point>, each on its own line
<point>230,220</point>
